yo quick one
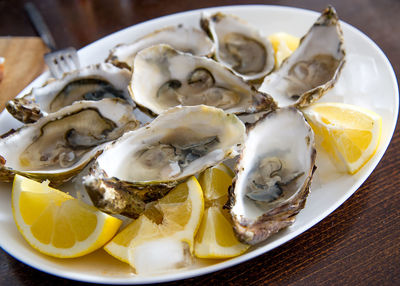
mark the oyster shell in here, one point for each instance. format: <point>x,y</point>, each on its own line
<point>60,145</point>
<point>93,82</point>
<point>164,77</point>
<point>314,66</point>
<point>273,175</point>
<point>189,40</point>
<point>239,46</point>
<point>144,164</point>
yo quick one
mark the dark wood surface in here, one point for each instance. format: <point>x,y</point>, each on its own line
<point>358,244</point>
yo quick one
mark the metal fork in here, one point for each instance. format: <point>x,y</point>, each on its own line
<point>58,61</point>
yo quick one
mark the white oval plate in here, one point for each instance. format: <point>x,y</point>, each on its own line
<point>330,188</point>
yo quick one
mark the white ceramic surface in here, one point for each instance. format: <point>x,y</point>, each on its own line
<point>330,188</point>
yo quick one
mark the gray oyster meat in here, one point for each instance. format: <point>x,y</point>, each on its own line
<point>145,164</point>
<point>313,68</point>
<point>164,77</point>
<point>57,147</point>
<point>91,83</point>
<point>239,46</point>
<point>273,175</point>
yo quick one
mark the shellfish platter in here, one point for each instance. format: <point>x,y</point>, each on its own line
<point>366,79</point>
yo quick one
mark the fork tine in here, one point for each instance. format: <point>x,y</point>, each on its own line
<point>53,66</point>
<point>64,65</point>
<point>52,62</point>
<point>73,58</point>
<point>68,59</point>
<point>62,61</point>
<point>68,63</point>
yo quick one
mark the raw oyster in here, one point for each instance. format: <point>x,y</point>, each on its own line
<point>164,77</point>
<point>273,175</point>
<point>93,82</point>
<point>314,66</point>
<point>144,164</point>
<point>239,46</point>
<point>58,146</point>
<point>189,40</point>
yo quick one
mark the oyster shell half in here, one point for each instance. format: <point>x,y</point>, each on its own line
<point>144,164</point>
<point>239,46</point>
<point>188,40</point>
<point>314,66</point>
<point>93,82</point>
<point>273,175</point>
<point>164,77</point>
<point>60,145</point>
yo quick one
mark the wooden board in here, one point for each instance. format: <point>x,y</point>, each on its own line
<point>23,63</point>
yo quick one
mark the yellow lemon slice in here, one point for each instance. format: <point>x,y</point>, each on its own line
<point>283,44</point>
<point>162,238</point>
<point>55,223</point>
<point>215,182</point>
<point>349,133</point>
<point>215,238</point>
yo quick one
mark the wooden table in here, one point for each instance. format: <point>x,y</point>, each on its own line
<point>358,244</point>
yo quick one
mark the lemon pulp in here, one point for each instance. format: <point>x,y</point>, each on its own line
<point>161,239</point>
<point>349,134</point>
<point>216,238</point>
<point>283,44</point>
<point>55,223</point>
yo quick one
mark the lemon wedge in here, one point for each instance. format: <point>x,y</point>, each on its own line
<point>215,238</point>
<point>215,182</point>
<point>349,133</point>
<point>55,223</point>
<point>283,44</point>
<point>161,239</point>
